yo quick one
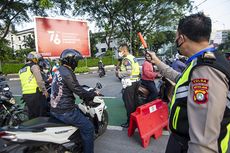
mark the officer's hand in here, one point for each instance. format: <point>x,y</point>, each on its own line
<point>154,58</point>
<point>46,94</point>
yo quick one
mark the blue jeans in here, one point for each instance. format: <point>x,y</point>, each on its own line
<point>77,119</point>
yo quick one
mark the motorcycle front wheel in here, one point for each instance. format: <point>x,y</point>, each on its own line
<point>48,148</point>
<point>18,117</point>
<point>104,123</point>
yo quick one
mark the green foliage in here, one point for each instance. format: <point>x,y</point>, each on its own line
<point>81,70</point>
<point>21,54</point>
<point>91,62</point>
<point>109,52</point>
<point>123,19</point>
<point>5,52</point>
<point>11,68</point>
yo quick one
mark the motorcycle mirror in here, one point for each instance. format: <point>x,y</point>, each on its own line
<point>98,85</point>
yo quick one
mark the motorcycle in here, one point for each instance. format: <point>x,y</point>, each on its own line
<point>11,114</point>
<point>165,90</point>
<point>46,134</point>
<point>101,69</point>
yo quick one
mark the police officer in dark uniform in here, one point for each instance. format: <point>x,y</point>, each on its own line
<point>200,115</point>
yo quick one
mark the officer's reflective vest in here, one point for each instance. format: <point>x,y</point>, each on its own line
<point>28,82</point>
<point>135,67</point>
<point>178,121</point>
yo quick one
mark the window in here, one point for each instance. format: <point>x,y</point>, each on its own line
<point>103,49</point>
<point>19,38</point>
<point>24,45</point>
<point>24,37</point>
<point>20,46</point>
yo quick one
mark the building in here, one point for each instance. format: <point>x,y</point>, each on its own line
<point>219,36</point>
<point>17,39</point>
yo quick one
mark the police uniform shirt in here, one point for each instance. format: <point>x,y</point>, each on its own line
<point>204,118</point>
<point>128,68</point>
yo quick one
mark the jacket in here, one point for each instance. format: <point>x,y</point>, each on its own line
<point>63,88</point>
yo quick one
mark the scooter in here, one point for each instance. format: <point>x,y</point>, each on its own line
<point>46,134</point>
<point>101,69</point>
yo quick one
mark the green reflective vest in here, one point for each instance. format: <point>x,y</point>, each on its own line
<point>178,121</point>
<point>135,67</point>
<point>28,82</point>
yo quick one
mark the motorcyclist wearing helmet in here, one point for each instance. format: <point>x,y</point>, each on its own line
<point>63,88</point>
<point>33,86</point>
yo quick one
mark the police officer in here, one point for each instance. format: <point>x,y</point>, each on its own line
<point>63,107</point>
<point>129,73</point>
<point>33,86</point>
<point>200,115</point>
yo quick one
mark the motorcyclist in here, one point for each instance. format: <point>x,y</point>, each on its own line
<point>64,86</point>
<point>33,86</point>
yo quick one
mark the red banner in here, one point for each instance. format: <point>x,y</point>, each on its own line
<point>54,35</point>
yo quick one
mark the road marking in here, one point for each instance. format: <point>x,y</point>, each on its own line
<point>13,79</point>
<point>118,128</point>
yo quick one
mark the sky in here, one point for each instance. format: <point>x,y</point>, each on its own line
<point>217,10</point>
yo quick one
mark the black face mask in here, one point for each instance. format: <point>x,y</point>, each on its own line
<point>178,45</point>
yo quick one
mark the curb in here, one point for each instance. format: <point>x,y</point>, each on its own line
<point>93,70</point>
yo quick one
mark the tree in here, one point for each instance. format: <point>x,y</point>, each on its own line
<point>30,42</point>
<point>18,11</point>
<point>124,18</point>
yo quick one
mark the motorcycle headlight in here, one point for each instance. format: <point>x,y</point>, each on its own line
<point>6,89</point>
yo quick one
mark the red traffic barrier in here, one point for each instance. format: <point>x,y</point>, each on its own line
<point>150,119</point>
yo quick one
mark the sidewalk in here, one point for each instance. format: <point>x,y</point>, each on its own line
<point>15,76</point>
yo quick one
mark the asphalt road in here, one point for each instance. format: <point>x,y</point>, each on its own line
<point>115,139</point>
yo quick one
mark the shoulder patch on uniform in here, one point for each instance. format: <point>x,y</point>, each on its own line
<point>126,62</point>
<point>200,80</point>
<point>200,90</point>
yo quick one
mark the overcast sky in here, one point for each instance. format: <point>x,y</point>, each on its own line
<point>218,10</point>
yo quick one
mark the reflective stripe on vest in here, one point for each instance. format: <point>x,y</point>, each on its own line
<point>224,142</point>
<point>183,79</point>
<point>28,82</point>
<point>135,67</point>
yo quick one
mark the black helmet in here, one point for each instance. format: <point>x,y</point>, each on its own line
<point>70,57</point>
<point>44,64</point>
<point>33,57</point>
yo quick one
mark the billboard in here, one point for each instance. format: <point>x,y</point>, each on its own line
<point>54,35</point>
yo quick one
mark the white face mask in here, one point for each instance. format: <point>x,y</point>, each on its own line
<point>120,54</point>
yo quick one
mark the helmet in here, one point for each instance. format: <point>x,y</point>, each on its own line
<point>44,64</point>
<point>70,57</point>
<point>33,57</point>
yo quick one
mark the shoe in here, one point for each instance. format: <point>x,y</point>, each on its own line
<point>125,125</point>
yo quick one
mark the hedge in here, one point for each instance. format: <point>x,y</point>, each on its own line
<point>83,66</point>
<point>8,68</point>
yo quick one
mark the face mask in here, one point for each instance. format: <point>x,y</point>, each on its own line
<point>178,45</point>
<point>120,54</point>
